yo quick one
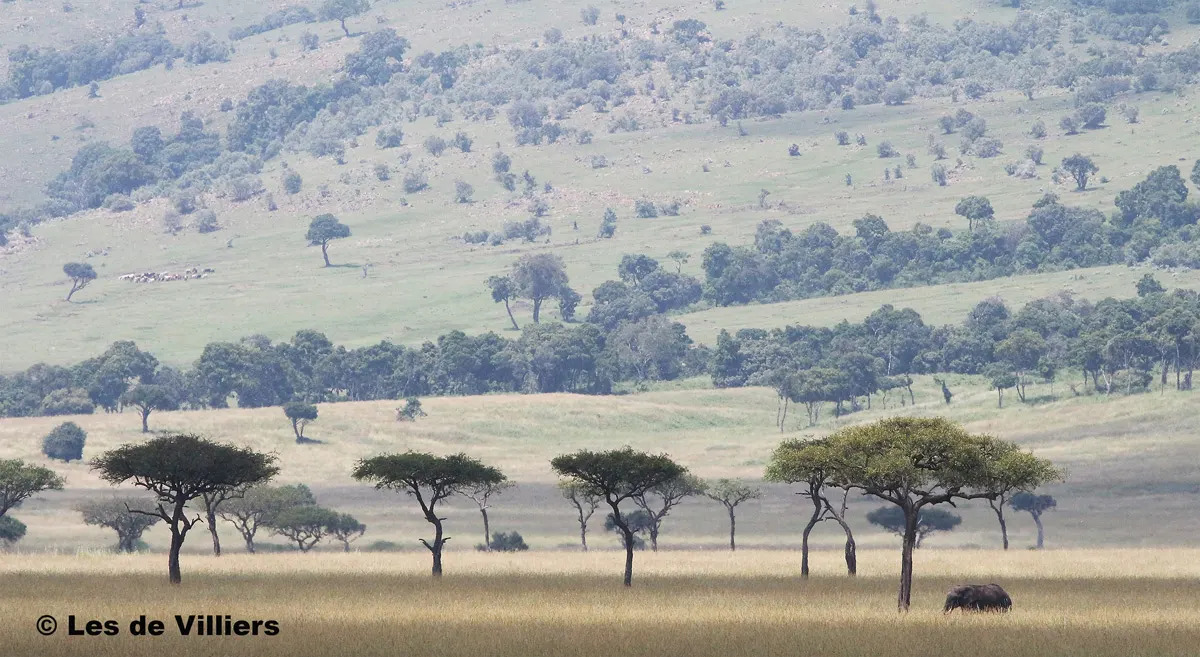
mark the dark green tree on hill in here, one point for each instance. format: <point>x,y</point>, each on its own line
<point>538,277</point>
<point>300,414</point>
<point>341,10</point>
<point>975,209</point>
<point>80,273</point>
<point>147,398</point>
<point>1081,168</point>
<point>323,230</point>
<point>504,290</point>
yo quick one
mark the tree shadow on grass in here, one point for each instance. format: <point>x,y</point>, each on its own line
<point>304,440</point>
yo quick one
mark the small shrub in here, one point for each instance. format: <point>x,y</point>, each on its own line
<point>389,137</point>
<point>794,150</point>
<point>644,209</point>
<point>206,221</point>
<point>382,173</point>
<point>292,182</point>
<point>1034,153</point>
<point>65,442</point>
<point>435,145</point>
<point>415,181</point>
<point>938,173</point>
<point>885,149</point>
<point>669,209</point>
<point>843,138</point>
<point>705,229</point>
<point>463,191</point>
<point>505,542</point>
<point>462,141</point>
<point>1038,129</point>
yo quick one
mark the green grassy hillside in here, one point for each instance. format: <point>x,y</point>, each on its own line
<point>422,280</point>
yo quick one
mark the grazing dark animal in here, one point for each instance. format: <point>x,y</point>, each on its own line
<point>977,597</point>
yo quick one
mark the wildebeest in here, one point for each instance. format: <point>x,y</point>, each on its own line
<point>977,597</point>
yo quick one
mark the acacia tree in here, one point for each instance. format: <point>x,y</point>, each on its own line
<point>730,493</point>
<point>929,521</point>
<point>812,465</point>
<point>1012,461</point>
<point>658,500</point>
<point>585,502</point>
<point>616,476</point>
<point>80,273</point>
<point>430,479</point>
<point>1035,505</point>
<point>340,10</point>
<point>19,482</point>
<point>300,414</point>
<point>481,496</point>
<point>115,514</point>
<point>918,462</point>
<point>540,276</point>
<point>346,528</point>
<point>503,289</point>
<point>305,525</point>
<point>179,468</point>
<point>259,506</point>
<point>147,398</point>
<point>324,229</point>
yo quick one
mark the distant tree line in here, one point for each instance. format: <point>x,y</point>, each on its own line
<point>1154,216</point>
<point>1113,346</point>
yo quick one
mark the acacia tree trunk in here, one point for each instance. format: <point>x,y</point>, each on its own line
<point>512,319</point>
<point>325,252</point>
<point>1037,520</point>
<point>296,428</point>
<point>145,420</point>
<point>344,28</point>
<point>487,541</point>
<point>732,526</point>
<point>212,529</point>
<point>998,507</point>
<point>179,529</point>
<point>249,538</point>
<point>537,309</point>
<point>173,572</point>
<point>654,536</point>
<point>904,596</point>
<point>583,534</point>
<point>436,548</point>
<point>812,522</point>
<point>628,554</point>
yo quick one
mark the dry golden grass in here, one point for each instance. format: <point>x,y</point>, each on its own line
<point>1089,603</point>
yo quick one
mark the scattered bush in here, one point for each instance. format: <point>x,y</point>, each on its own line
<point>292,182</point>
<point>118,203</point>
<point>415,181</point>
<point>65,442</point>
<point>644,209</point>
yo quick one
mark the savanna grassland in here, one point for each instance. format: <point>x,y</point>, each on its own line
<point>1086,603</point>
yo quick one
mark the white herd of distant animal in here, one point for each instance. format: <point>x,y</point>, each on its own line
<point>160,276</point>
